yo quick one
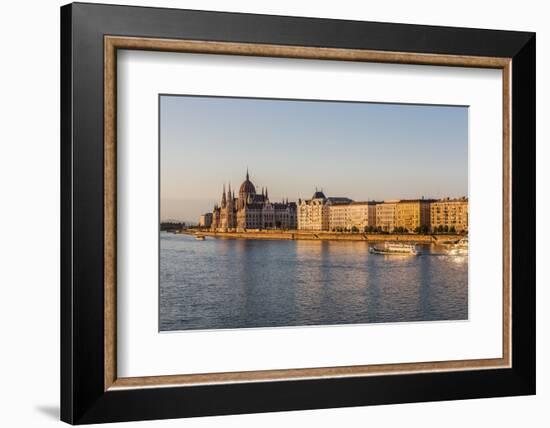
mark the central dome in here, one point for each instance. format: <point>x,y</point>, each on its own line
<point>247,188</point>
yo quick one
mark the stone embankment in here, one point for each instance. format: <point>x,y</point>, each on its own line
<point>329,236</point>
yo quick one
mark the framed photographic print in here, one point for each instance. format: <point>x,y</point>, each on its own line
<point>265,213</point>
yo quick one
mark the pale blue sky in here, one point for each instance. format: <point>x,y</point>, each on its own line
<point>359,150</point>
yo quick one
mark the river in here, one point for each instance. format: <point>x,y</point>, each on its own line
<point>240,283</point>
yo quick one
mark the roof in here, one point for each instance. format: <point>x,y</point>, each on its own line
<point>405,201</point>
<point>364,202</point>
<point>338,200</point>
<point>462,199</point>
<point>283,206</point>
<point>255,206</point>
<point>258,199</point>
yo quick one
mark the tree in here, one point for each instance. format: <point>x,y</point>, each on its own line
<point>354,229</point>
<point>452,229</point>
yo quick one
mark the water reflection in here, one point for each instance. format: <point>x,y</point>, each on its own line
<point>220,283</point>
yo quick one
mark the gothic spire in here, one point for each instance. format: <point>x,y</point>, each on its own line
<point>223,196</point>
<point>247,179</point>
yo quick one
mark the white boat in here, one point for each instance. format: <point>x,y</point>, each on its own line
<point>199,237</point>
<point>460,248</point>
<point>396,249</point>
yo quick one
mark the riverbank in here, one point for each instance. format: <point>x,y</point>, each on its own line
<point>329,236</point>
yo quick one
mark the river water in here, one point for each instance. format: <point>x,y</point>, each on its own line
<point>232,283</point>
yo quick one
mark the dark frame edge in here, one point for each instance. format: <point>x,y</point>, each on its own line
<point>66,304</point>
<point>524,219</point>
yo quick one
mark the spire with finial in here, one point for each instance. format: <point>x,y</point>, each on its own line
<point>223,196</point>
<point>267,197</point>
<point>247,179</point>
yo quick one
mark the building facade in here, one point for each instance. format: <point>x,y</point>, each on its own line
<point>336,214</point>
<point>205,220</point>
<point>385,215</point>
<point>362,214</point>
<point>351,216</point>
<point>252,211</point>
<point>413,215</point>
<point>449,214</point>
<point>313,213</point>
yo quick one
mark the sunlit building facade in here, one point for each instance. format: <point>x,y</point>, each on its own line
<point>413,215</point>
<point>313,213</point>
<point>449,215</point>
<point>385,215</point>
<point>351,216</point>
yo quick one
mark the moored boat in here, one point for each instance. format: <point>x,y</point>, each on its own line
<point>395,249</point>
<point>460,248</point>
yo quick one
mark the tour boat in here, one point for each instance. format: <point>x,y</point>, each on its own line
<point>460,248</point>
<point>199,237</point>
<point>396,249</point>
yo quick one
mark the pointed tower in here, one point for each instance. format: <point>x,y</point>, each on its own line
<point>266,195</point>
<point>223,197</point>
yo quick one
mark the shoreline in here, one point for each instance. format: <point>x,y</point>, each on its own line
<point>293,235</point>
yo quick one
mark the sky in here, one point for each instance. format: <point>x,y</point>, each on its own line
<point>362,151</point>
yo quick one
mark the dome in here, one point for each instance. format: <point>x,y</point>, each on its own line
<point>247,188</point>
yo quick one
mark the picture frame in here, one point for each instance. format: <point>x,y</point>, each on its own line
<point>91,391</point>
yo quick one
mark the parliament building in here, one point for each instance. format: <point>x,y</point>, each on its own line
<point>251,210</point>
